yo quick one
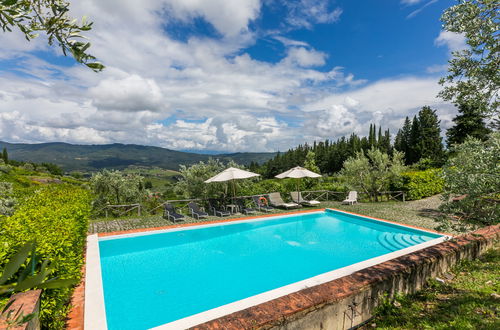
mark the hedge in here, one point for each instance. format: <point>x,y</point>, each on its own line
<point>421,184</point>
<point>56,218</point>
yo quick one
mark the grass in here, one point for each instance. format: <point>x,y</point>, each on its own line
<point>419,213</point>
<point>469,299</point>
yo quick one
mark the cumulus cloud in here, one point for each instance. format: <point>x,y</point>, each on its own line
<point>198,93</point>
<point>230,18</point>
<point>132,93</point>
<point>454,41</point>
<point>304,57</point>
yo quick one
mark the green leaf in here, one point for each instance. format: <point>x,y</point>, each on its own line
<point>15,263</point>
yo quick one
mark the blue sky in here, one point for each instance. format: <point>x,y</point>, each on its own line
<point>248,75</point>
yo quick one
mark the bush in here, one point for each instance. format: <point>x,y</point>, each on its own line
<point>473,172</point>
<point>56,218</point>
<point>420,184</point>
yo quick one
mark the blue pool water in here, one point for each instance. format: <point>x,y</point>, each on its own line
<point>154,279</point>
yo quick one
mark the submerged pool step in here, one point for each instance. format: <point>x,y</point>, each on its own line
<point>398,241</point>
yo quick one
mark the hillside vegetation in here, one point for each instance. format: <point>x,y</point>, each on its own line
<point>73,157</point>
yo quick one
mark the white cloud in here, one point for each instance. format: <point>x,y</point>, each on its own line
<point>437,68</point>
<point>419,10</point>
<point>411,2</point>
<point>200,93</point>
<point>306,13</point>
<point>304,57</point>
<point>290,42</point>
<point>132,93</point>
<point>230,18</point>
<point>454,41</point>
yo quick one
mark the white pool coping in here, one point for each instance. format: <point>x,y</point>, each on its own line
<point>94,308</point>
<point>95,313</point>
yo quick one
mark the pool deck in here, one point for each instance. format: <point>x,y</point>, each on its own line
<point>78,316</point>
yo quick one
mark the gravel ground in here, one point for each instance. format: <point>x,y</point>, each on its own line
<point>420,213</point>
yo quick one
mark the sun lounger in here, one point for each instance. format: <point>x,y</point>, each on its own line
<point>196,211</point>
<point>276,201</point>
<point>352,198</point>
<point>243,208</point>
<point>216,209</point>
<point>261,204</point>
<point>171,214</point>
<point>297,198</point>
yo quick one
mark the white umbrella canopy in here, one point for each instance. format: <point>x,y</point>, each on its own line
<point>297,173</point>
<point>231,174</point>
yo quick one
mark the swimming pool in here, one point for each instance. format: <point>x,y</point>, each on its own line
<point>185,276</point>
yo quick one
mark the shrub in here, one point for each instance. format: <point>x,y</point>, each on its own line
<point>56,218</point>
<point>373,172</point>
<point>421,184</point>
<point>473,172</point>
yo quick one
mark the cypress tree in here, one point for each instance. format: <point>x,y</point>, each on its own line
<point>413,153</point>
<point>469,122</point>
<point>430,144</point>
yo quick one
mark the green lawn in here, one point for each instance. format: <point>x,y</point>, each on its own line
<point>418,213</point>
<point>469,299</point>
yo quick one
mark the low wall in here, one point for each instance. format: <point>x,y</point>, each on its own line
<point>351,300</point>
<point>25,303</point>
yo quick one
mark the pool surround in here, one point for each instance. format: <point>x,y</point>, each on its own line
<point>94,296</point>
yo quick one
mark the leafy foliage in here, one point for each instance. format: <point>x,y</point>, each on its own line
<point>464,302</point>
<point>474,172</point>
<point>473,73</point>
<point>373,172</point>
<point>469,122</point>
<point>56,218</point>
<point>192,183</point>
<point>51,17</point>
<point>329,156</point>
<point>115,187</point>
<point>7,199</point>
<point>421,138</point>
<point>420,184</point>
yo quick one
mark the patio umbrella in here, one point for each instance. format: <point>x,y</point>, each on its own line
<point>298,173</point>
<point>231,174</point>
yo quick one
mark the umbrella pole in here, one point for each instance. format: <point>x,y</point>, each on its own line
<point>234,191</point>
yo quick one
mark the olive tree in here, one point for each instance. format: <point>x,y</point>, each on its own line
<point>7,200</point>
<point>51,17</point>
<point>474,174</point>
<point>116,187</point>
<point>192,184</point>
<point>373,172</point>
<point>473,73</point>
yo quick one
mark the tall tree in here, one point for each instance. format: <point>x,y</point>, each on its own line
<point>51,17</point>
<point>402,141</point>
<point>430,141</point>
<point>473,73</point>
<point>469,122</point>
<point>310,162</point>
<point>414,150</point>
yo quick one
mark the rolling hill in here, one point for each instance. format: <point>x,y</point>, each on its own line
<point>72,157</point>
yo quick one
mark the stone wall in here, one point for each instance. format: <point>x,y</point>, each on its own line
<point>25,303</point>
<point>351,300</point>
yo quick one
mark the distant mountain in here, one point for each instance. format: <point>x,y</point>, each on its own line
<point>73,157</point>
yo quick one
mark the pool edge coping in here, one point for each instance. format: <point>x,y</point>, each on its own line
<point>98,293</point>
<point>94,315</point>
<point>320,279</point>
